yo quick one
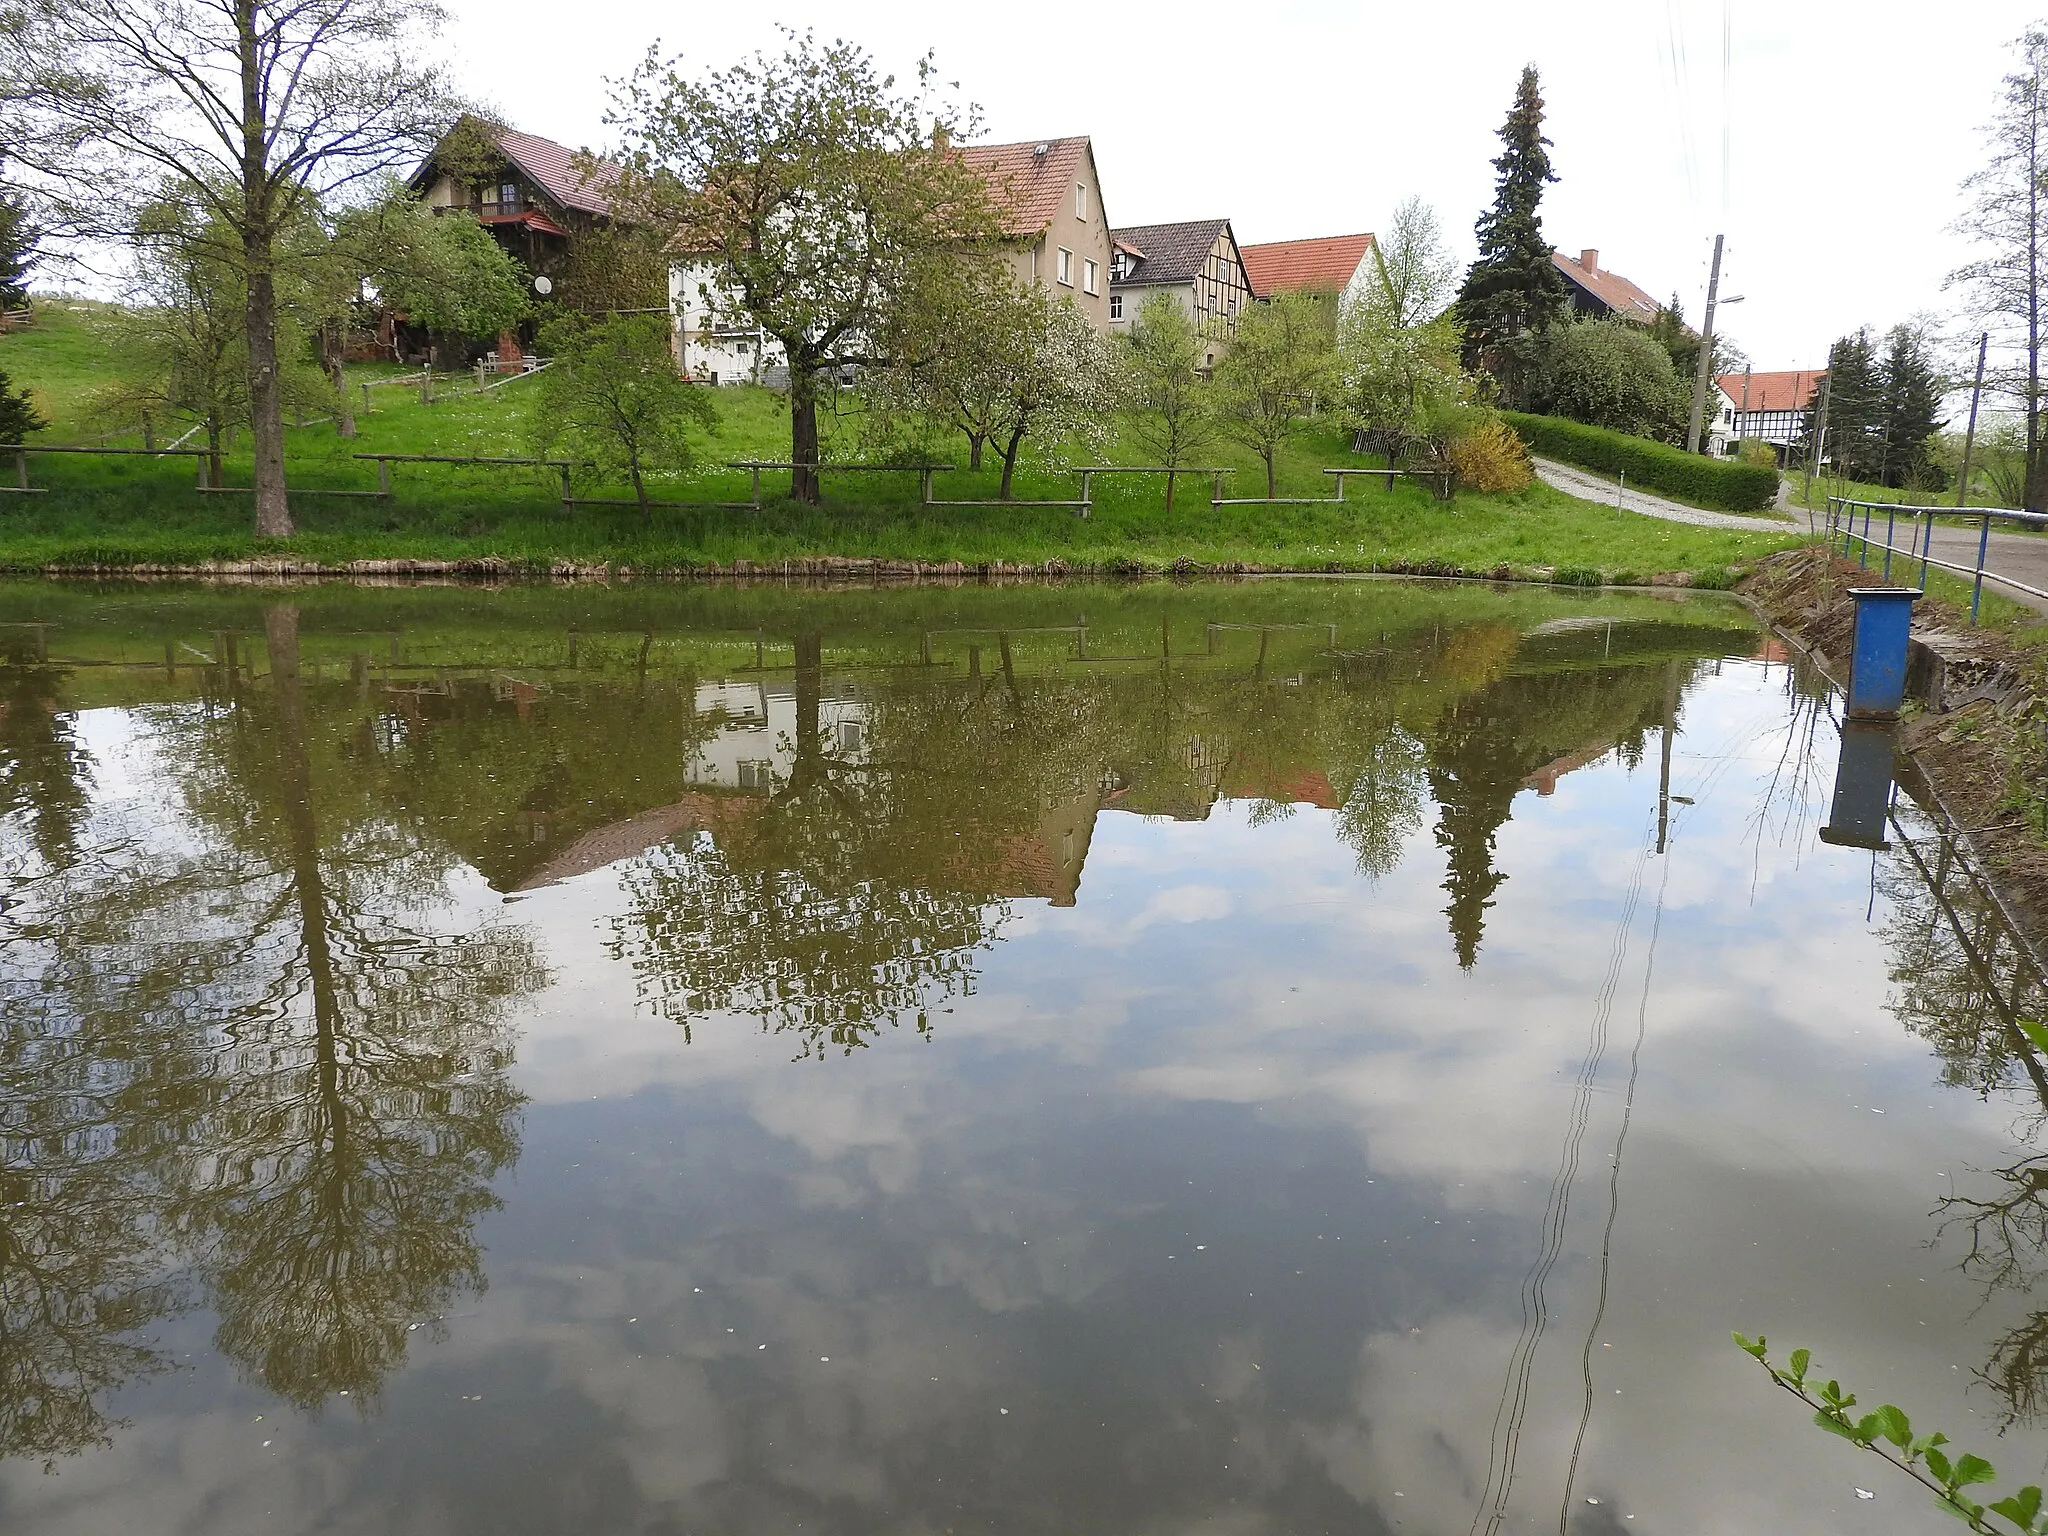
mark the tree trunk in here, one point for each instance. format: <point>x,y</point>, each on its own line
<point>639,486</point>
<point>266,393</point>
<point>2037,472</point>
<point>803,431</point>
<point>1010,463</point>
<point>344,410</point>
<point>213,464</point>
<point>1171,476</point>
<point>974,442</point>
<point>1272,479</point>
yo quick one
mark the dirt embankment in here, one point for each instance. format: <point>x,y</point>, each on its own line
<point>1976,724</point>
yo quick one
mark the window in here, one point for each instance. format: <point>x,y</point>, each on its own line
<point>1080,200</point>
<point>757,774</point>
<point>1116,306</point>
<point>1065,268</point>
<point>508,194</point>
<point>1088,270</point>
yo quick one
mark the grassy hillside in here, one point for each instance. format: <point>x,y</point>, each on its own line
<point>127,510</point>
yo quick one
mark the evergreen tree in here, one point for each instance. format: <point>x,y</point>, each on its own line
<point>1910,392</point>
<point>1513,288</point>
<point>17,253</point>
<point>18,416</point>
<point>1855,444</point>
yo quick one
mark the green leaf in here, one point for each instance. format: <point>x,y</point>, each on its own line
<point>2020,1508</point>
<point>1938,1465</point>
<point>1750,1346</point>
<point>1972,1469</point>
<point>2036,1032</point>
<point>1801,1358</point>
<point>1925,1443</point>
<point>1869,1427</point>
<point>1894,1425</point>
<point>1833,1425</point>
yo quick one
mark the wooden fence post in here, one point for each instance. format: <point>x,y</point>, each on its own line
<point>384,477</point>
<point>21,468</point>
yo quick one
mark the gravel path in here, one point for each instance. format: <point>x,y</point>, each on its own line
<point>1588,486</point>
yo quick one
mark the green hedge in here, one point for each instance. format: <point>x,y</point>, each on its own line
<point>1653,466</point>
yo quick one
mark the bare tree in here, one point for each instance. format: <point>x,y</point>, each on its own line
<point>257,110</point>
<point>2008,219</point>
<point>805,193</point>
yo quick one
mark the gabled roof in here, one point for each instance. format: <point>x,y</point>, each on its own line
<point>1167,253</point>
<point>552,168</point>
<point>1324,265</point>
<point>1611,290</point>
<point>1032,186</point>
<point>1773,391</point>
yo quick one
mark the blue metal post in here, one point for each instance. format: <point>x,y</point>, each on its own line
<point>1891,519</point>
<point>1877,659</point>
<point>1983,549</point>
<point>1927,549</point>
<point>1863,549</point>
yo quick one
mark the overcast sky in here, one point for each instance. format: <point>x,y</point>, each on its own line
<point>1828,149</point>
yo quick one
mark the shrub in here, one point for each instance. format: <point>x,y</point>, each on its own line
<point>1755,450</point>
<point>1488,457</point>
<point>1576,576</point>
<point>1611,373</point>
<point>1653,466</point>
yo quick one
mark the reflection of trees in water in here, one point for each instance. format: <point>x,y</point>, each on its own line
<point>290,1071</point>
<point>45,772</point>
<point>1485,747</point>
<point>1962,982</point>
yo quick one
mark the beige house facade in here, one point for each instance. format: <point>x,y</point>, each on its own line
<point>1056,225</point>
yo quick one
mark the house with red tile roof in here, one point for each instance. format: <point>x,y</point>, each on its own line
<point>1327,264</point>
<point>1056,224</point>
<point>1767,407</point>
<point>1598,293</point>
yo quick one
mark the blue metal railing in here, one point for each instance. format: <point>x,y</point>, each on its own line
<point>1842,512</point>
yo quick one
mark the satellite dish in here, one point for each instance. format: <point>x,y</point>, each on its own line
<point>543,286</point>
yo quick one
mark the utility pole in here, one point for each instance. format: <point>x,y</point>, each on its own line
<point>1699,383</point>
<point>1742,429</point>
<point>1970,437</point>
<point>1820,441</point>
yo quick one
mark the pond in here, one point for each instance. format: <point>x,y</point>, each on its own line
<point>1268,1057</point>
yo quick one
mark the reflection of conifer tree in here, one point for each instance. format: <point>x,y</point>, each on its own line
<point>1474,773</point>
<point>44,772</point>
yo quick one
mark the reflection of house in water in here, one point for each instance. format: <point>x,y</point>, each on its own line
<point>1544,779</point>
<point>754,746</point>
<point>1046,862</point>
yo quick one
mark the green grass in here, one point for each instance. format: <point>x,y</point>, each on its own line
<point>118,511</point>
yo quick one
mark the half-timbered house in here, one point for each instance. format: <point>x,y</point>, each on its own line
<point>1198,263</point>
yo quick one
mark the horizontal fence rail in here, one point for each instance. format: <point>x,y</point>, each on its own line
<point>1841,524</point>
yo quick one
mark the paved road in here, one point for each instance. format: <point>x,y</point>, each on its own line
<point>1588,486</point>
<point>2022,556</point>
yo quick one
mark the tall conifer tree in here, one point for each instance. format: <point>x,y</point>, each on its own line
<point>1513,288</point>
<point>1911,388</point>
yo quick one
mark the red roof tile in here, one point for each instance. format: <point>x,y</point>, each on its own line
<point>1620,295</point>
<point>1323,265</point>
<point>1034,186</point>
<point>1773,391</point>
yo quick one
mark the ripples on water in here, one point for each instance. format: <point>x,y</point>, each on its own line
<point>1274,1058</point>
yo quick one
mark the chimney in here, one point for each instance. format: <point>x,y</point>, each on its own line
<point>1590,260</point>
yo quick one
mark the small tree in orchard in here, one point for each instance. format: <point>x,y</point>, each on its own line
<point>614,397</point>
<point>1513,290</point>
<point>183,334</point>
<point>806,190</point>
<point>1280,371</point>
<point>258,109</point>
<point>959,342</point>
<point>2008,221</point>
<point>1167,376</point>
<point>1397,346</point>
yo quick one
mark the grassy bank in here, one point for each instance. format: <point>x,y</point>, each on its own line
<point>121,511</point>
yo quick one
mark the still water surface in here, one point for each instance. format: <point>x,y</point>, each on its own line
<point>1279,1058</point>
